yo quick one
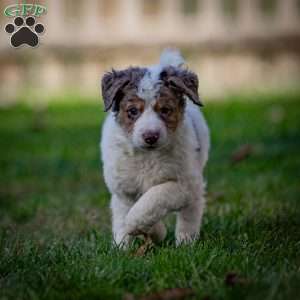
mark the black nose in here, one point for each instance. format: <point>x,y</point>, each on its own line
<point>151,137</point>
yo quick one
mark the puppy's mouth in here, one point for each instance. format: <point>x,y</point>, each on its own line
<point>149,147</point>
<point>154,147</point>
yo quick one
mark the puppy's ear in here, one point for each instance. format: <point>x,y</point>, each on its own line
<point>182,81</point>
<point>112,86</point>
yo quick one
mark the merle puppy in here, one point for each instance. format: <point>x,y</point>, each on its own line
<point>155,144</point>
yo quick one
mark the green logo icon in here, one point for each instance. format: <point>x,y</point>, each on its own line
<point>24,9</point>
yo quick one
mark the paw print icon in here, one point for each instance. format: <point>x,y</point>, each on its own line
<point>24,31</point>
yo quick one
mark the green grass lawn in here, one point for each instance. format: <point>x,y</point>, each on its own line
<point>55,239</point>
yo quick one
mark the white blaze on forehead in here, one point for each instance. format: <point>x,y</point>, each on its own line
<point>150,83</point>
<point>148,121</point>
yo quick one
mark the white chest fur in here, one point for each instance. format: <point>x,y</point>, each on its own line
<point>132,172</point>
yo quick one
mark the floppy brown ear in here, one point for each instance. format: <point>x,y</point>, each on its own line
<point>112,85</point>
<point>115,83</point>
<point>185,82</point>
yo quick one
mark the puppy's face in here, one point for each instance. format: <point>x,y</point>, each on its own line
<point>149,108</point>
<point>150,123</point>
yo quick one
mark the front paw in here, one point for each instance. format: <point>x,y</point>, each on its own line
<point>134,228</point>
<point>122,240</point>
<point>184,238</point>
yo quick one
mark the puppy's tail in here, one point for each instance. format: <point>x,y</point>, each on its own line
<point>171,57</point>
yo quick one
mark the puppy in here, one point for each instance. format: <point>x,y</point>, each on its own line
<point>155,144</point>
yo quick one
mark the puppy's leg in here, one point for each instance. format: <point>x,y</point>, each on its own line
<point>158,232</point>
<point>189,221</point>
<point>119,210</point>
<point>155,204</point>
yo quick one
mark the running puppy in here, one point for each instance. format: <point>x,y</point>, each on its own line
<point>155,145</point>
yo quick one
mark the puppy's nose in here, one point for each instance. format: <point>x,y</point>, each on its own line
<point>151,137</point>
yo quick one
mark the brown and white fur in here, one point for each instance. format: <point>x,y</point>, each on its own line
<point>154,145</point>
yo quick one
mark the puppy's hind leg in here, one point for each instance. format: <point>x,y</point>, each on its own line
<point>119,210</point>
<point>189,222</point>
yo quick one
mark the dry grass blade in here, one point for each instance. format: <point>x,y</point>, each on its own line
<point>233,279</point>
<point>241,153</point>
<point>144,248</point>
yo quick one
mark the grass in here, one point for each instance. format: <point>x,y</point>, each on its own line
<point>55,240</point>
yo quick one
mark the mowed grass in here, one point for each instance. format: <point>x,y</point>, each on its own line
<point>55,239</point>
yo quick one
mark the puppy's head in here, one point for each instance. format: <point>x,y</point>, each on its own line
<point>149,102</point>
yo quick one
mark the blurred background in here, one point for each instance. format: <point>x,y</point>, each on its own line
<point>233,45</point>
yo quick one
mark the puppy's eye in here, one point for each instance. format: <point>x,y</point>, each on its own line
<point>165,110</point>
<point>132,112</point>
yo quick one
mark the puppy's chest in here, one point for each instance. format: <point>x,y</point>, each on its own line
<point>136,174</point>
